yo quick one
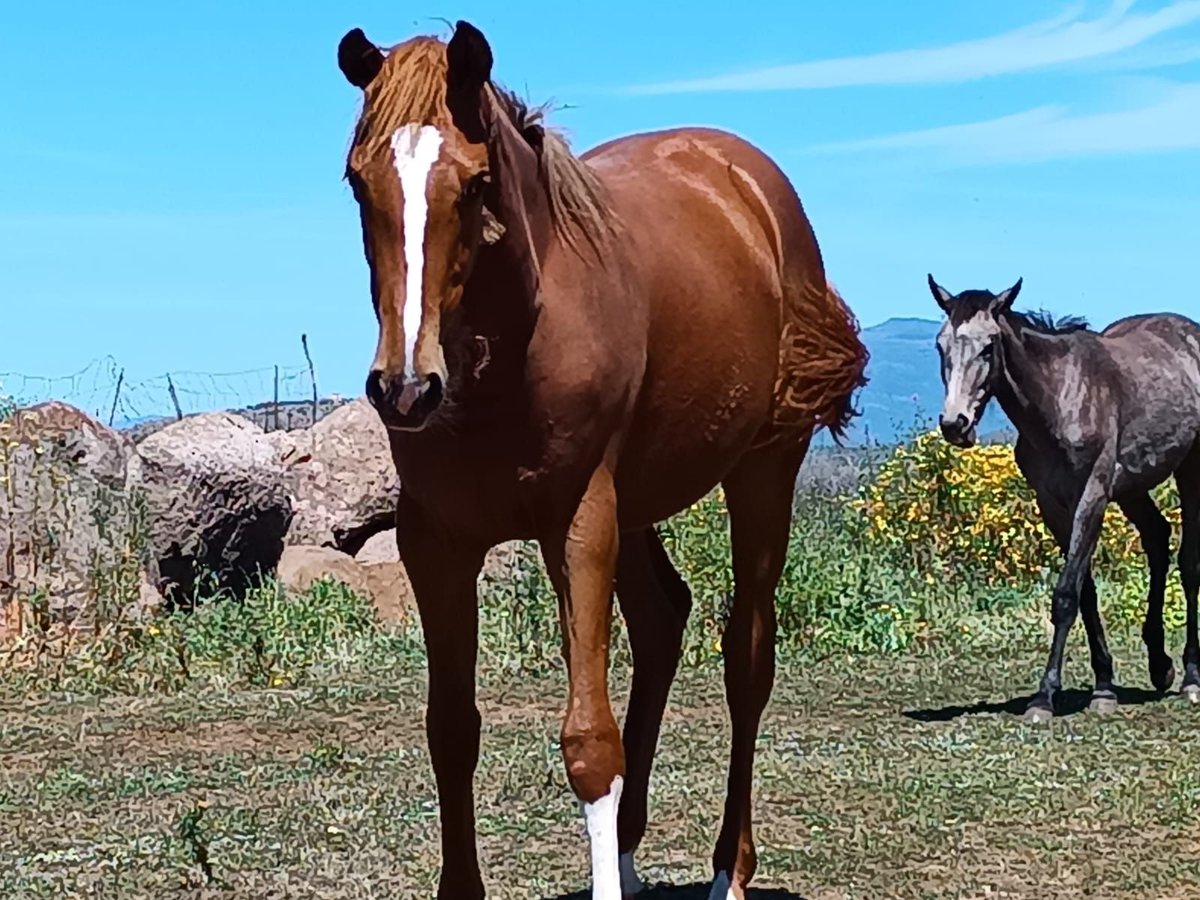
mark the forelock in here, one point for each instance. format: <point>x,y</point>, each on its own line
<point>968,305</point>
<point>978,327</point>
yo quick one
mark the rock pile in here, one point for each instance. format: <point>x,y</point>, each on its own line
<point>206,505</point>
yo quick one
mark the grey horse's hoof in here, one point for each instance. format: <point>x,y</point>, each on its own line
<point>1038,715</point>
<point>1103,702</point>
<point>1191,693</point>
<point>1162,678</point>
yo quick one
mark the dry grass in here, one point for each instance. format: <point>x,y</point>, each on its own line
<point>875,778</point>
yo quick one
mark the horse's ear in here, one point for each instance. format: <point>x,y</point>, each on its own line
<point>1004,300</point>
<point>469,56</point>
<point>359,59</point>
<point>941,295</point>
<point>468,69</point>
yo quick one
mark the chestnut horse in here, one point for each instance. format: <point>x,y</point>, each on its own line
<point>571,350</point>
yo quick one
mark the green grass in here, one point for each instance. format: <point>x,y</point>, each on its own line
<point>898,775</point>
<point>275,747</point>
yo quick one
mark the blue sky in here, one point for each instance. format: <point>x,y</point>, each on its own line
<point>170,175</point>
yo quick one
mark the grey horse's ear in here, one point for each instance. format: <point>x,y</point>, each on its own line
<point>941,295</point>
<point>1004,300</point>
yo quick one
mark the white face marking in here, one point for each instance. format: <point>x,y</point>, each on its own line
<point>601,818</point>
<point>630,883</point>
<point>721,889</point>
<point>415,149</point>
<point>966,370</point>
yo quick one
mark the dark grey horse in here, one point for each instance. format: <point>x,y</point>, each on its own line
<point>1100,416</point>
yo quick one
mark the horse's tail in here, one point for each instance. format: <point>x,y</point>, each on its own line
<point>854,356</point>
<point>824,363</point>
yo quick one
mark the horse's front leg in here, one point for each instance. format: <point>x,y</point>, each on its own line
<point>443,570</point>
<point>1085,532</point>
<point>581,561</point>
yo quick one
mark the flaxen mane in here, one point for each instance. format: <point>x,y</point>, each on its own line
<point>411,87</point>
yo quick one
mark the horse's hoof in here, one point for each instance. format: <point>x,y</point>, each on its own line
<point>1162,678</point>
<point>1038,715</point>
<point>1103,702</point>
<point>631,884</point>
<point>722,889</point>
<point>1191,693</point>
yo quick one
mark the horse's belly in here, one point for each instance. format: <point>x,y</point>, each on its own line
<point>652,488</point>
<point>700,410</point>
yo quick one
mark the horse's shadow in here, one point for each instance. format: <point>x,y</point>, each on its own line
<point>690,892</point>
<point>1067,703</point>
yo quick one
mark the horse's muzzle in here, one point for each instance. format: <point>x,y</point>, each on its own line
<point>404,403</point>
<point>959,431</point>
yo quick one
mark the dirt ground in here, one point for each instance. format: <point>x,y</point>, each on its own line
<point>877,778</point>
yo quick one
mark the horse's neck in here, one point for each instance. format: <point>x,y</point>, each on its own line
<point>523,206</point>
<point>500,299</point>
<point>498,314</point>
<point>1026,391</point>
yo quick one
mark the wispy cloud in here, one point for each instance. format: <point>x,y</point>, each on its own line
<point>1064,39</point>
<point>1168,121</point>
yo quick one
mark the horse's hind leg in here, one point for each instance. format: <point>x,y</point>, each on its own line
<point>655,602</point>
<point>759,495</point>
<point>1188,479</point>
<point>1155,533</point>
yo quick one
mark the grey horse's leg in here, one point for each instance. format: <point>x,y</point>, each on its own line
<point>1155,533</point>
<point>1188,479</point>
<point>1085,531</point>
<point>1058,521</point>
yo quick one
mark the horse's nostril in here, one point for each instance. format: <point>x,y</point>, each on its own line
<point>375,387</point>
<point>961,422</point>
<point>433,390</point>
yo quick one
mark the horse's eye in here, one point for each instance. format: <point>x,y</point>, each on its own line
<point>987,351</point>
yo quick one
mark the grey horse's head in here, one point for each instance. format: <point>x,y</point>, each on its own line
<point>969,346</point>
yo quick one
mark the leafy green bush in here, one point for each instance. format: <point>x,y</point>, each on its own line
<point>939,513</point>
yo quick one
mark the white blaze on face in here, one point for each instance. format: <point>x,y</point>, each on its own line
<point>601,818</point>
<point>966,369</point>
<point>415,148</point>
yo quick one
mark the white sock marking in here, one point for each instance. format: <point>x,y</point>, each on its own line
<point>415,150</point>
<point>630,883</point>
<point>601,819</point>
<point>721,889</point>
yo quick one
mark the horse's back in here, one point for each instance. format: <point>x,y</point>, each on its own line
<point>694,177</point>
<point>1154,346</point>
<point>1170,326</point>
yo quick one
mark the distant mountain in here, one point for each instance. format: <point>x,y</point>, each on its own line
<point>905,388</point>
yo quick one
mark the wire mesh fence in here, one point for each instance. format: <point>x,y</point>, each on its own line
<point>276,397</point>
